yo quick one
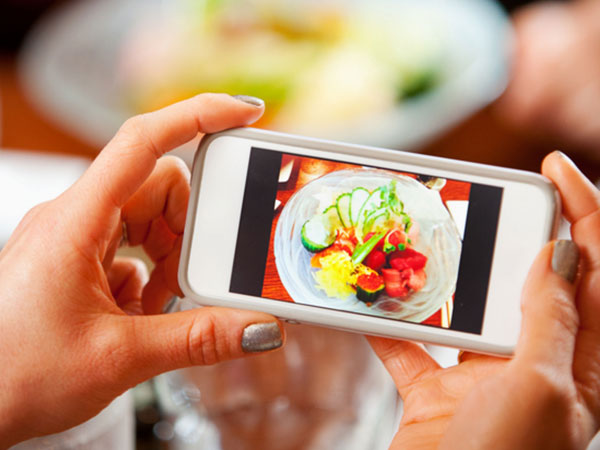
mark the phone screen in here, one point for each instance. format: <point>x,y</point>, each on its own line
<point>366,240</point>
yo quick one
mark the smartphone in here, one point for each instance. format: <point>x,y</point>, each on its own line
<point>368,240</point>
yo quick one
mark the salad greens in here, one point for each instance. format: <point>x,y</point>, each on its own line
<point>362,246</point>
<point>363,211</point>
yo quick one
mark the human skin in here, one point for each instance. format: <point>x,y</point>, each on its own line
<point>72,341</point>
<point>548,395</point>
<point>72,329</point>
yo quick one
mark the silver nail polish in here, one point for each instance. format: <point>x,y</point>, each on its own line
<point>563,156</point>
<point>565,259</point>
<point>559,153</point>
<point>260,337</point>
<point>254,101</point>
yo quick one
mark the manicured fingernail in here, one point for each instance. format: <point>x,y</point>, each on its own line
<point>260,337</point>
<point>565,259</point>
<point>563,156</point>
<point>254,101</point>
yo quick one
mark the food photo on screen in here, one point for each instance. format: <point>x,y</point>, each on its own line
<point>396,245</point>
<point>366,240</point>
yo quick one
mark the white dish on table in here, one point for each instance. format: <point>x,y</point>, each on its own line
<point>70,61</point>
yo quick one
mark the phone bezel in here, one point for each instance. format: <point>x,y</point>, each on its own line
<point>499,341</point>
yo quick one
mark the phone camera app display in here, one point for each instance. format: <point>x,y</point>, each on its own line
<point>365,240</point>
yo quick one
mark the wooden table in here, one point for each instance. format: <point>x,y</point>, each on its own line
<point>24,127</point>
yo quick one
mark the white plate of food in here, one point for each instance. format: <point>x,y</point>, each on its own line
<point>368,241</point>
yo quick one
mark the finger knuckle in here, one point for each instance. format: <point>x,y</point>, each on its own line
<point>34,212</point>
<point>557,306</point>
<point>131,128</point>
<point>175,168</point>
<point>562,310</point>
<point>203,340</point>
<point>41,217</point>
<point>209,97</point>
<point>110,355</point>
<point>134,136</point>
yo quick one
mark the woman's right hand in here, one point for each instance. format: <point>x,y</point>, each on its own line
<point>548,395</point>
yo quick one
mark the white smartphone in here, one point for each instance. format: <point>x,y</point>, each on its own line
<point>363,239</point>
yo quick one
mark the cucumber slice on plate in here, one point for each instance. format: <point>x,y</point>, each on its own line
<point>373,202</point>
<point>358,200</point>
<point>343,208</point>
<point>375,220</point>
<point>317,233</point>
<point>331,217</point>
<point>380,222</point>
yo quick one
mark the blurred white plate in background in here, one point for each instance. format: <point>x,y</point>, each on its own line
<point>69,66</point>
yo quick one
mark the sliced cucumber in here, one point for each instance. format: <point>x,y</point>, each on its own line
<point>374,201</point>
<point>332,218</point>
<point>380,222</point>
<point>366,219</point>
<point>317,233</point>
<point>370,207</point>
<point>375,220</point>
<point>359,197</point>
<point>343,209</point>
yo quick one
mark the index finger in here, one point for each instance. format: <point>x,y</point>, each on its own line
<point>580,198</point>
<point>128,159</point>
<point>581,204</point>
<point>95,201</point>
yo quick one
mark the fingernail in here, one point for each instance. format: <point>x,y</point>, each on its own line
<point>565,259</point>
<point>563,156</point>
<point>559,153</point>
<point>254,101</point>
<point>260,337</point>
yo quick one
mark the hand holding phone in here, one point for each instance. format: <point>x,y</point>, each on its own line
<point>547,396</point>
<point>369,240</point>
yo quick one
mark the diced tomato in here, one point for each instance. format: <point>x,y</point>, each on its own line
<point>396,236</point>
<point>417,280</point>
<point>375,260</point>
<point>395,283</point>
<point>407,259</point>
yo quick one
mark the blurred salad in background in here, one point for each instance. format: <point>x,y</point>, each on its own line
<point>315,63</point>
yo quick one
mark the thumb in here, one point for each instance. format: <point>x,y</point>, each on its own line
<point>550,319</point>
<point>159,343</point>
